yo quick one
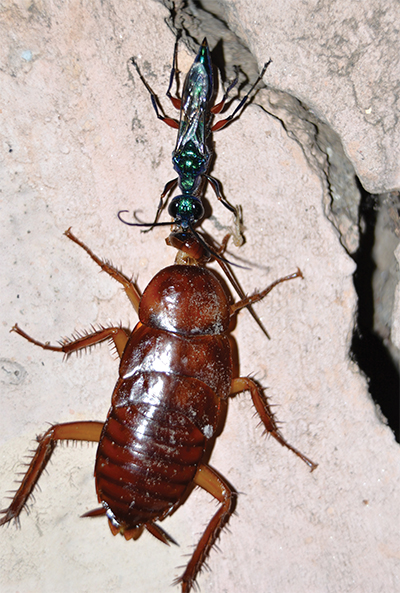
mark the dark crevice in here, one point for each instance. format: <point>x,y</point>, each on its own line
<point>368,349</point>
<point>198,18</point>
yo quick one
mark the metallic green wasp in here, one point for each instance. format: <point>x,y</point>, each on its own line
<point>192,155</point>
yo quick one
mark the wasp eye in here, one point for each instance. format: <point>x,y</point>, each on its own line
<point>186,208</point>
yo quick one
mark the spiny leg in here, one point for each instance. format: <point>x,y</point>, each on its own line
<point>212,482</point>
<point>260,295</point>
<point>233,280</point>
<point>69,431</point>
<point>267,417</point>
<point>117,334</point>
<point>249,301</point>
<point>131,290</point>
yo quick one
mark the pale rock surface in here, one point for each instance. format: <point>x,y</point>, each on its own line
<point>79,142</point>
<point>341,59</point>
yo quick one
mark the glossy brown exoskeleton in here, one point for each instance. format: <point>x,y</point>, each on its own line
<point>175,375</point>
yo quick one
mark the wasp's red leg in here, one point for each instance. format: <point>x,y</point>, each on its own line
<point>237,225</point>
<point>70,431</point>
<point>131,290</point>
<point>223,122</point>
<point>267,417</point>
<point>172,123</point>
<point>154,100</point>
<point>219,106</point>
<point>176,102</point>
<point>212,482</point>
<point>217,190</point>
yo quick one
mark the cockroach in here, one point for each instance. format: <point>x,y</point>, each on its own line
<point>175,376</point>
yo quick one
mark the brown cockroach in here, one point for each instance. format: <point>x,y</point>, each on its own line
<point>175,375</point>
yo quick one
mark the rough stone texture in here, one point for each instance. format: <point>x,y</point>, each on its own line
<point>230,26</point>
<point>386,274</point>
<point>79,142</point>
<point>341,59</point>
<point>396,309</point>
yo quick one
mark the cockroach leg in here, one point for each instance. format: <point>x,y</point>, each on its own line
<point>267,417</point>
<point>174,379</point>
<point>260,295</point>
<point>69,431</point>
<point>208,479</point>
<point>117,334</point>
<point>131,290</point>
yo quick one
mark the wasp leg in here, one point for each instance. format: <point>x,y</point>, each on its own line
<point>267,417</point>
<point>176,101</point>
<point>219,106</point>
<point>223,122</point>
<point>217,190</point>
<point>237,224</point>
<point>167,189</point>
<point>70,431</point>
<point>212,482</point>
<point>132,292</point>
<point>172,123</point>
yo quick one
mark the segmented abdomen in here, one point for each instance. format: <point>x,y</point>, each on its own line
<point>147,457</point>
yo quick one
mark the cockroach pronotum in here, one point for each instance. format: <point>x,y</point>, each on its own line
<point>175,375</point>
